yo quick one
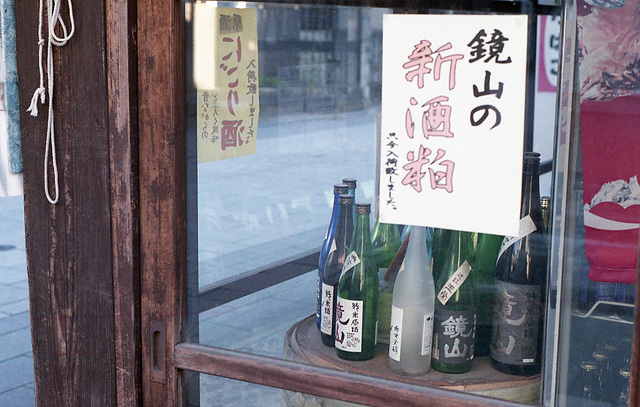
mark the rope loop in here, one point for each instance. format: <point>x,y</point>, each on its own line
<point>54,19</point>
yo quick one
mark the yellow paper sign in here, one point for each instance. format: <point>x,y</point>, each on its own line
<point>226,77</point>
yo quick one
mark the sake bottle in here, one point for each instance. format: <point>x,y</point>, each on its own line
<point>333,268</point>
<point>412,310</point>
<point>486,248</point>
<point>441,239</point>
<point>455,310</point>
<point>521,272</point>
<point>357,303</point>
<point>326,244</point>
<point>385,241</point>
<point>351,184</point>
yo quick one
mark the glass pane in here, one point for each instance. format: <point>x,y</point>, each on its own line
<point>221,392</point>
<point>257,221</point>
<point>319,81</point>
<point>596,212</point>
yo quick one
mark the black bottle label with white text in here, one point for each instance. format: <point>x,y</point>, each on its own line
<point>516,321</point>
<point>453,335</point>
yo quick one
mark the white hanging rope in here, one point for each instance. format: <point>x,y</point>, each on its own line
<point>53,19</point>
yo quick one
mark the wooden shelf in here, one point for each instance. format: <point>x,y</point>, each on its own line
<point>302,343</point>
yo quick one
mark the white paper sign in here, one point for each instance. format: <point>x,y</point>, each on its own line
<point>452,131</point>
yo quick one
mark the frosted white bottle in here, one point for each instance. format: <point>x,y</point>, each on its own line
<point>412,310</point>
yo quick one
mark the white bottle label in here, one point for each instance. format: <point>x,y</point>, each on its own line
<point>333,247</point>
<point>526,227</point>
<point>349,325</point>
<point>395,335</point>
<point>454,282</point>
<point>427,334</point>
<point>326,312</point>
<point>350,262</point>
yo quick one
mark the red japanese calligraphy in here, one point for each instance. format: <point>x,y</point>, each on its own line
<point>414,168</point>
<point>438,179</point>
<point>452,69</point>
<point>421,57</point>
<point>231,131</point>
<point>442,179</point>
<point>232,96</point>
<point>436,120</point>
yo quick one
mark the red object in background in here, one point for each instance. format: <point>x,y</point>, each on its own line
<point>611,152</point>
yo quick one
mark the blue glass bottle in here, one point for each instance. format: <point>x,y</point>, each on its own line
<point>326,244</point>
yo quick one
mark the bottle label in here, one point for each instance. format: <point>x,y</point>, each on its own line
<point>348,325</point>
<point>318,298</point>
<point>427,334</point>
<point>454,282</point>
<point>395,336</point>
<point>516,317</point>
<point>350,262</point>
<point>526,227</point>
<point>326,314</point>
<point>453,335</point>
<point>333,247</point>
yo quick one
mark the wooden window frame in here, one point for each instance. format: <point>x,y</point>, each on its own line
<point>162,186</point>
<point>115,247</point>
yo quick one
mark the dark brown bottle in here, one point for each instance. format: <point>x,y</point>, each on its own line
<point>521,271</point>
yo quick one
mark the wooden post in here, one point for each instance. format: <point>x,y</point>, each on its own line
<point>162,197</point>
<point>82,254</point>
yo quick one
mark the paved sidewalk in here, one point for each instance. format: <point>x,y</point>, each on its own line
<point>16,359</point>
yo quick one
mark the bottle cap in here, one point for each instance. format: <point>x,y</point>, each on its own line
<point>340,189</point>
<point>363,208</point>
<point>625,371</point>
<point>545,202</point>
<point>599,355</point>
<point>350,182</point>
<point>531,163</point>
<point>588,365</point>
<point>345,199</point>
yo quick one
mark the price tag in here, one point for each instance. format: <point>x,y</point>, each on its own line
<point>350,262</point>
<point>454,282</point>
<point>526,227</point>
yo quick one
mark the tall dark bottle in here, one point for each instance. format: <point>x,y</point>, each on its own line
<point>333,269</point>
<point>455,309</point>
<point>521,271</point>
<point>486,248</point>
<point>326,244</point>
<point>357,304</point>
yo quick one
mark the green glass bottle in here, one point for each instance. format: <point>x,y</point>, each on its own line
<point>385,241</point>
<point>357,303</point>
<point>441,239</point>
<point>483,262</point>
<point>455,310</point>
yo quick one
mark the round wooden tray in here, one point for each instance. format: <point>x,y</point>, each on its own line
<point>302,343</point>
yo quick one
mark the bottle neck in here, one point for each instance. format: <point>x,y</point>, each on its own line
<point>344,231</point>
<point>531,192</point>
<point>457,254</point>
<point>417,241</point>
<point>384,233</point>
<point>361,235</point>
